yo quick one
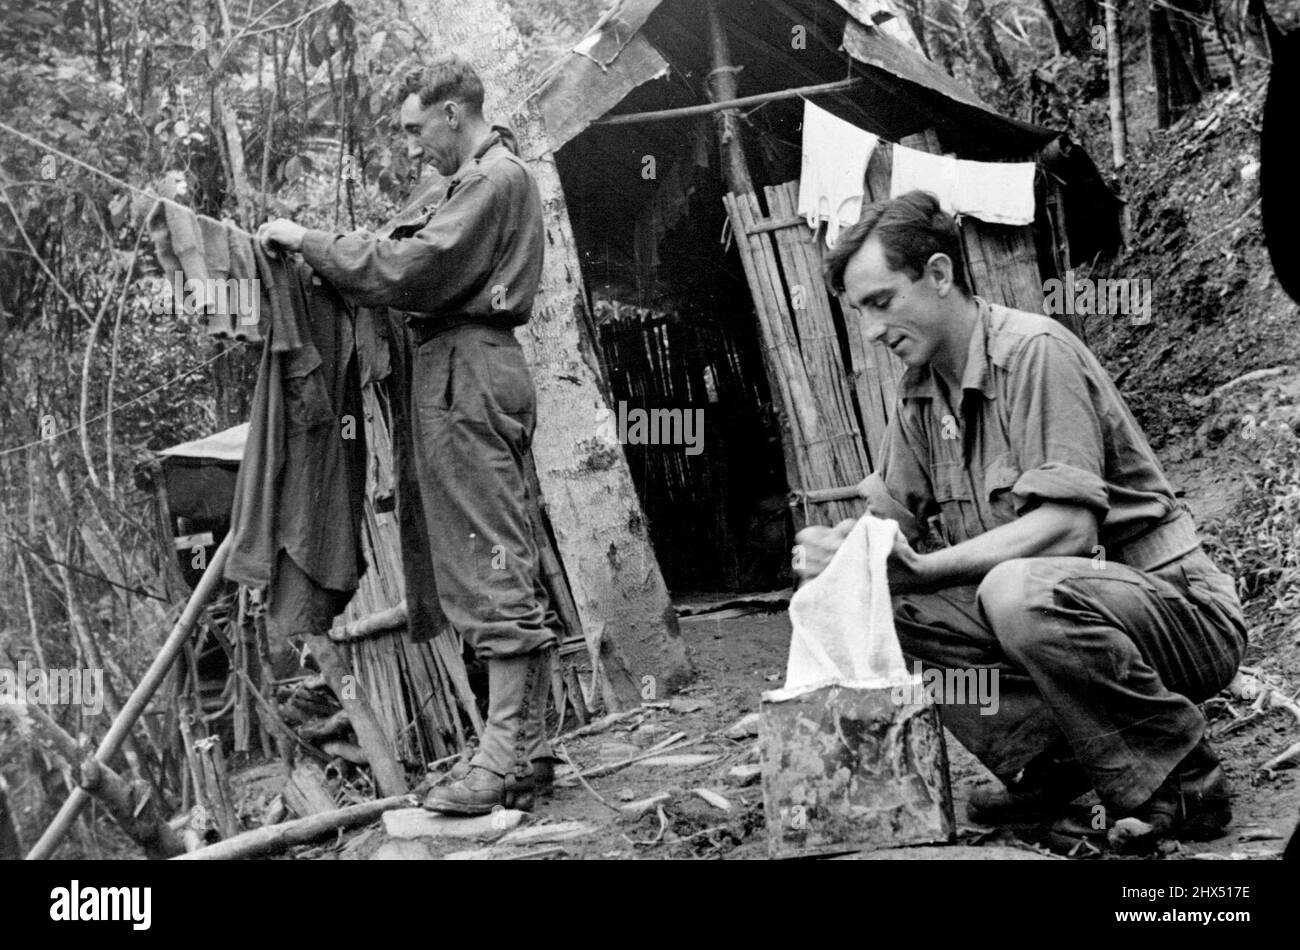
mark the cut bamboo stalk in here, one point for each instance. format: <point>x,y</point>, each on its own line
<point>217,781</point>
<point>305,791</point>
<point>303,831</point>
<point>372,624</point>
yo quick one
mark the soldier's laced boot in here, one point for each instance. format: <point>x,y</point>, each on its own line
<point>533,778</point>
<point>534,775</point>
<point>1192,804</point>
<point>483,786</point>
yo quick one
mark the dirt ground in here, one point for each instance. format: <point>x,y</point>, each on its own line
<point>736,659</point>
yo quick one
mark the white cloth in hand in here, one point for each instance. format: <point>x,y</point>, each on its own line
<point>842,620</point>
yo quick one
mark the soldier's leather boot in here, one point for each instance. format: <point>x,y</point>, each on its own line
<point>533,776</point>
<point>483,787</point>
<point>1192,804</point>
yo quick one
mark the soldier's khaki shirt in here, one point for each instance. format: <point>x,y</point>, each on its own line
<point>1037,419</point>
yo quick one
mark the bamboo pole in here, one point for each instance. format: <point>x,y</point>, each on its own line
<point>372,624</point>
<point>278,837</point>
<point>722,88</point>
<point>722,105</point>
<point>139,699</point>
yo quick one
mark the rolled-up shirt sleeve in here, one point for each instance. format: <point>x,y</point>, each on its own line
<point>899,488</point>
<point>1055,429</point>
<point>445,262</point>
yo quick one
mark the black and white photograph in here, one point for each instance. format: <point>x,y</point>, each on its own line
<point>784,431</point>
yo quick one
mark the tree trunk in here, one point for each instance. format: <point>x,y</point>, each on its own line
<point>1115,76</point>
<point>1158,50</point>
<point>915,10</point>
<point>1065,43</point>
<point>983,22</point>
<point>587,490</point>
<point>10,848</point>
<point>1229,49</point>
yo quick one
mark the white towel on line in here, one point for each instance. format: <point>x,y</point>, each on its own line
<point>842,620</point>
<point>997,192</point>
<point>834,170</point>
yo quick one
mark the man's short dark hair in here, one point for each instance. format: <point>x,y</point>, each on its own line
<point>447,78</point>
<point>911,229</point>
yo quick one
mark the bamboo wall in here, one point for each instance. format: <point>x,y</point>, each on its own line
<point>835,390</point>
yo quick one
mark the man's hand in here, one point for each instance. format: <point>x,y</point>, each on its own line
<point>280,235</point>
<point>907,570</point>
<point>815,545</point>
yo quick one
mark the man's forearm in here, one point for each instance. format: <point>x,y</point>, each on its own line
<point>1047,531</point>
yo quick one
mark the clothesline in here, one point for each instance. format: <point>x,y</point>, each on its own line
<point>149,194</point>
<point>104,415</point>
<point>98,171</point>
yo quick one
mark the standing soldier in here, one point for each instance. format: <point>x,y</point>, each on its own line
<point>467,278</point>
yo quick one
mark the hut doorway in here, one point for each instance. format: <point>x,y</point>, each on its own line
<point>689,391</point>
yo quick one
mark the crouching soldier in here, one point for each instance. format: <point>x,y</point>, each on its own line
<point>1069,569</point>
<point>467,277</point>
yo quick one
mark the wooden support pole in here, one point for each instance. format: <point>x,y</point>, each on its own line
<point>722,87</point>
<point>732,104</point>
<point>139,699</point>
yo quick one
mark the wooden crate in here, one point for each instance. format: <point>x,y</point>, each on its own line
<point>852,769</point>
